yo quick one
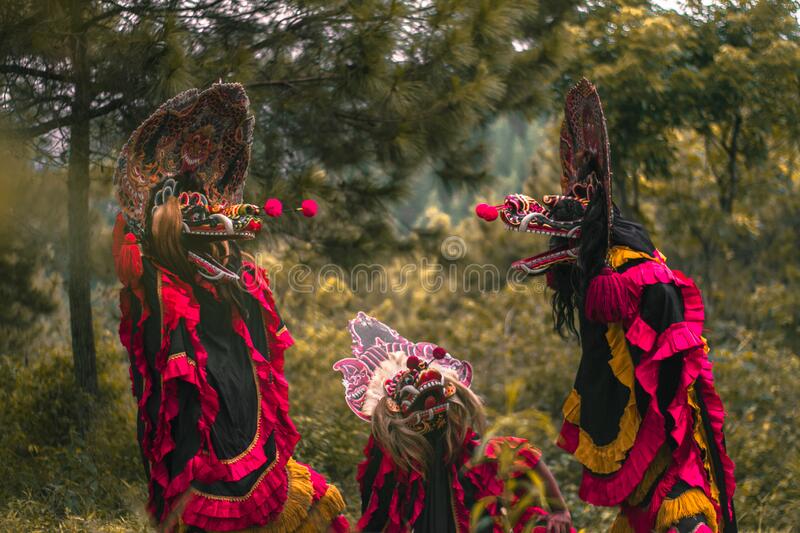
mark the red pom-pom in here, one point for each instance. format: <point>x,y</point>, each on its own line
<point>309,208</point>
<point>273,207</point>
<point>130,238</point>
<point>413,362</point>
<point>486,212</point>
<point>439,352</point>
<point>254,225</point>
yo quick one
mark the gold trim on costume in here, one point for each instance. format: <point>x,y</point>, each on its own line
<point>182,354</point>
<point>691,503</point>
<point>658,466</point>
<point>621,525</point>
<point>619,255</point>
<point>608,458</point>
<point>323,512</point>
<point>701,438</point>
<point>249,492</point>
<point>453,503</point>
<point>299,513</point>
<point>258,421</point>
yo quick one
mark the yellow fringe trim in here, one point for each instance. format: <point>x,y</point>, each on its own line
<point>295,510</point>
<point>621,525</point>
<point>701,439</point>
<point>324,511</point>
<point>660,463</point>
<point>690,503</point>
<point>619,255</point>
<point>572,408</point>
<point>608,458</point>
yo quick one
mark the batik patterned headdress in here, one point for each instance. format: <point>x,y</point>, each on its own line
<point>195,148</point>
<point>206,134</point>
<point>411,375</point>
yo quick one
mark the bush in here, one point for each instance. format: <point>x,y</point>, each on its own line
<point>55,473</point>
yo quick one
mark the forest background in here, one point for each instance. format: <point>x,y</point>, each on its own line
<point>397,117</point>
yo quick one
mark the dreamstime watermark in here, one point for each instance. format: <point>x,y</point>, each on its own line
<point>450,273</point>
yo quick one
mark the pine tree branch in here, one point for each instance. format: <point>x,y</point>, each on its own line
<point>290,82</point>
<point>59,122</point>
<point>28,71</point>
<point>144,9</point>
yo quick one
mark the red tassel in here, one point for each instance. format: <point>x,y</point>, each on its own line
<point>127,257</point>
<point>610,298</point>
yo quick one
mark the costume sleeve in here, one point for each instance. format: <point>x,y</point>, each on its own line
<point>377,487</point>
<point>661,306</point>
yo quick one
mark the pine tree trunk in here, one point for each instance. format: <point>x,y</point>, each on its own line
<point>83,349</point>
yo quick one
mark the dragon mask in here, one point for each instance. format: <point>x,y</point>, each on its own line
<point>194,148</point>
<point>585,178</point>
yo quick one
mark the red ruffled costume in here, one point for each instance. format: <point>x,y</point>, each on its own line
<point>668,451</point>
<point>394,499</point>
<point>180,400</point>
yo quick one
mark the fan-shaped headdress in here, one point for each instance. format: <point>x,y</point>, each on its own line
<point>385,363</point>
<point>205,134</point>
<point>584,135</point>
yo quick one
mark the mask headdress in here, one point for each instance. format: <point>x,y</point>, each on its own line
<point>585,178</point>
<point>584,147</point>
<point>191,153</point>
<point>205,136</point>
<point>410,375</point>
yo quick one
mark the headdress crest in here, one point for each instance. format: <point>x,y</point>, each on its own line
<point>584,135</point>
<point>380,355</point>
<point>203,133</point>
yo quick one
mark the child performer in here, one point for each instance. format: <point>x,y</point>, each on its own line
<point>425,466</point>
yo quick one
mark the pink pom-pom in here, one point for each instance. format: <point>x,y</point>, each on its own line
<point>486,212</point>
<point>273,207</point>
<point>412,362</point>
<point>309,208</point>
<point>439,352</point>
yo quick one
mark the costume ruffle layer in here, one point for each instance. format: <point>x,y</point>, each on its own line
<point>614,298</point>
<point>310,506</point>
<point>269,496</point>
<point>480,472</point>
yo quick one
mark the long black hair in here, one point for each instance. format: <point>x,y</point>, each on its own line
<point>570,280</point>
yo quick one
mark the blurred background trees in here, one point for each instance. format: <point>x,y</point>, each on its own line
<point>350,98</point>
<point>396,117</point>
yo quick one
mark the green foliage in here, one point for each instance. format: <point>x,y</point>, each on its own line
<point>703,116</point>
<point>56,473</point>
<point>522,370</point>
<point>365,105</point>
